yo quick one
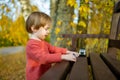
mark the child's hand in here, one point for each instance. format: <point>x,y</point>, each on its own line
<point>68,57</point>
<point>76,54</point>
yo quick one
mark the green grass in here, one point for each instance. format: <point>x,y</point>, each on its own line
<point>12,66</point>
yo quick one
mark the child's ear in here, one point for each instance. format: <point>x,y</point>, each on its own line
<point>33,29</point>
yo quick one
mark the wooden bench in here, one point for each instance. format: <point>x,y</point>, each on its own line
<point>102,67</point>
<point>96,66</point>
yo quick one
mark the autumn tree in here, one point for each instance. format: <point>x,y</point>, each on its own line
<point>100,16</point>
<point>61,14</point>
<point>94,17</point>
<point>12,25</point>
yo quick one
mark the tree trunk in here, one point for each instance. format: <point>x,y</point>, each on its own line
<point>53,13</point>
<point>62,16</point>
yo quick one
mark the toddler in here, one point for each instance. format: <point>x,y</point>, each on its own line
<point>39,53</point>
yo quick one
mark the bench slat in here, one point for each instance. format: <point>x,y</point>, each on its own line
<point>100,69</point>
<point>85,36</point>
<point>80,69</point>
<point>112,51</point>
<point>114,43</point>
<point>113,64</point>
<point>58,72</point>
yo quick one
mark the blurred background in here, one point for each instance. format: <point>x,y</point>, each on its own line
<point>69,16</point>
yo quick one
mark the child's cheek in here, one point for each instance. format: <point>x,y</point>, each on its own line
<point>44,32</point>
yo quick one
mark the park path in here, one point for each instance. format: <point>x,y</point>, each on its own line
<point>11,50</point>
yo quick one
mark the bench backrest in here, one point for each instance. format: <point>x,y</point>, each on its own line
<point>115,31</point>
<point>115,24</point>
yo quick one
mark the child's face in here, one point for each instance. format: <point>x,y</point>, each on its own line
<point>42,32</point>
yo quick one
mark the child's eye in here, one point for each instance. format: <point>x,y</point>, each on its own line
<point>47,29</point>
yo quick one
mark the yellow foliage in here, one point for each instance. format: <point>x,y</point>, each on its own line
<point>76,5</point>
<point>93,28</point>
<point>98,14</point>
<point>72,3</point>
<point>34,8</point>
<point>19,27</point>
<point>73,24</point>
<point>91,42</point>
<point>4,21</point>
<point>86,1</point>
<point>59,23</point>
<point>73,16</point>
<point>82,23</point>
<point>80,31</point>
<point>69,43</point>
<point>57,30</point>
<point>84,9</point>
<point>13,33</point>
<point>59,39</point>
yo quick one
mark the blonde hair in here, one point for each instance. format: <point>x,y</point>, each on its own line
<point>37,19</point>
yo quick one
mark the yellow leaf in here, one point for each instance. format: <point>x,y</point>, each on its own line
<point>73,16</point>
<point>81,9</point>
<point>82,23</point>
<point>72,24</point>
<point>84,9</point>
<point>80,32</point>
<point>34,8</point>
<point>59,39</point>
<point>57,30</point>
<point>72,3</point>
<point>69,43</point>
<point>86,1</point>
<point>76,5</point>
<point>59,23</point>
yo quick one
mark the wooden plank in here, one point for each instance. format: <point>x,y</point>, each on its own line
<point>114,43</point>
<point>57,72</point>
<point>113,64</point>
<point>74,44</point>
<point>118,38</point>
<point>80,69</point>
<point>112,51</point>
<point>85,36</point>
<point>117,7</point>
<point>100,69</point>
<point>114,26</point>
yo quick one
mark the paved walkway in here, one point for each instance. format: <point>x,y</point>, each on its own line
<point>11,50</point>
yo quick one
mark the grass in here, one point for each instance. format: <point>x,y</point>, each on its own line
<point>12,66</point>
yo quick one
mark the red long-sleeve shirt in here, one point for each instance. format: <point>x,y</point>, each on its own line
<point>40,55</point>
